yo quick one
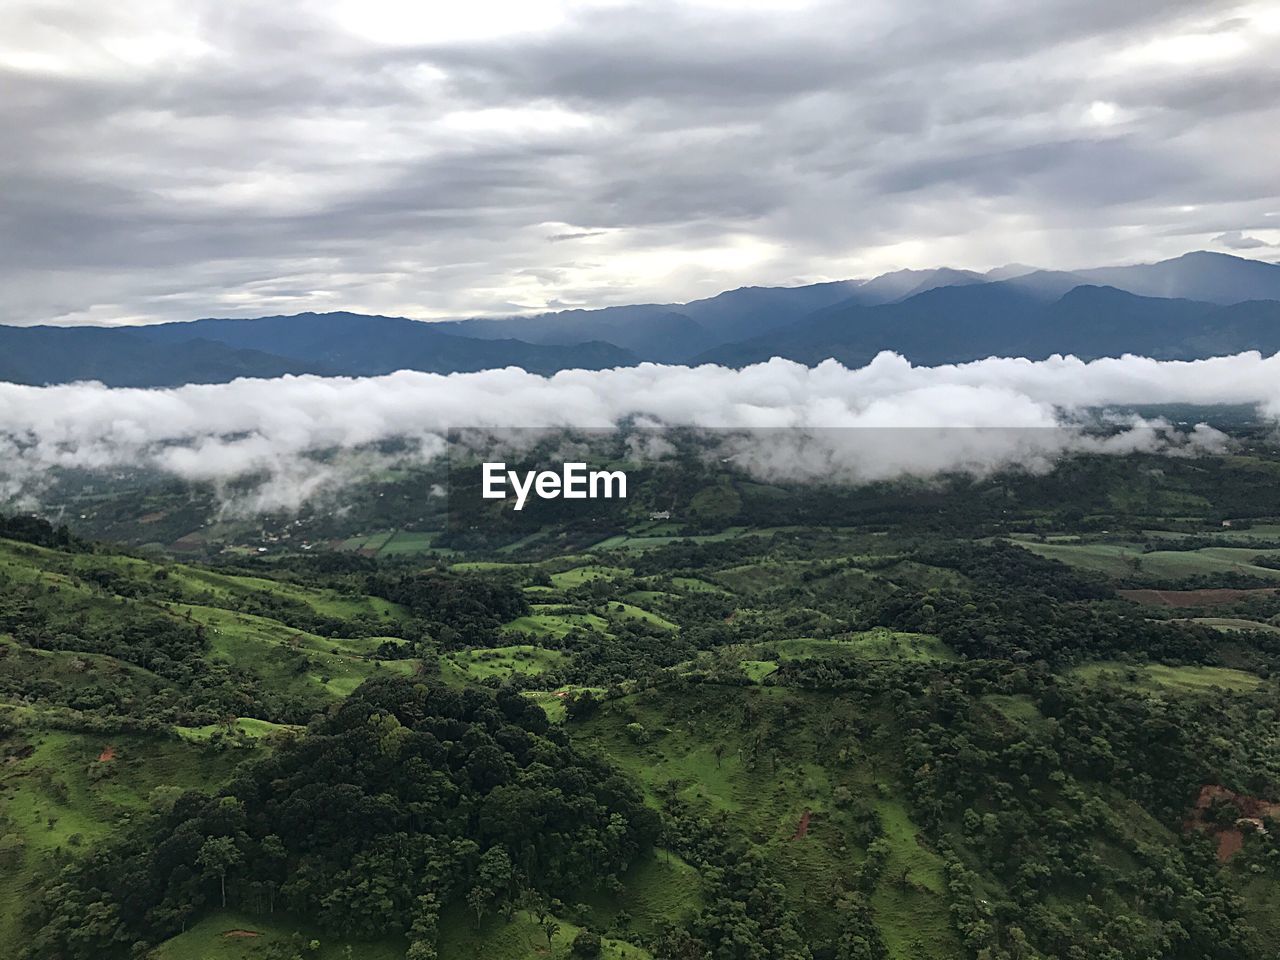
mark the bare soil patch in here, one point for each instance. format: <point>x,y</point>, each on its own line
<point>802,828</point>
<point>1254,814</point>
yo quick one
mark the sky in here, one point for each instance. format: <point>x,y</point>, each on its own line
<point>172,159</point>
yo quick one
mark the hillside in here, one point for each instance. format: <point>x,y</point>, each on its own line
<point>1025,731</point>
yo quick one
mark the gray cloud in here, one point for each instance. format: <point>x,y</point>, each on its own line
<point>1236,240</point>
<point>166,159</point>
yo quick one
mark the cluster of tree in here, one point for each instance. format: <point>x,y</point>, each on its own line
<point>1002,566</point>
<point>37,530</point>
<point>457,609</point>
<point>405,798</point>
<point>150,638</point>
<point>1047,804</point>
<point>1025,626</point>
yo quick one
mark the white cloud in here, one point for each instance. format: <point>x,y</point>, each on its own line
<point>779,419</point>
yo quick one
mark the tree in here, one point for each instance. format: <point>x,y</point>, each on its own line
<point>586,944</point>
<point>217,856</point>
<point>423,929</point>
<point>478,900</point>
<point>550,928</point>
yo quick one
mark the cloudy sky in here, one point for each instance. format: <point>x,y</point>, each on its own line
<point>168,159</point>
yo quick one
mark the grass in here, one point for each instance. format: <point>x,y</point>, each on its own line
<point>404,543</point>
<point>1236,623</point>
<point>617,610</point>
<point>1121,560</point>
<point>696,585</point>
<point>648,541</point>
<point>243,728</point>
<point>63,798</point>
<point>504,662</point>
<point>577,576</point>
<point>876,644</point>
<point>209,940</point>
<point>552,701</point>
<point>373,541</point>
<point>1018,708</point>
<point>520,939</point>
<point>286,658</point>
<point>326,603</point>
<point>660,888</point>
<point>542,624</point>
<point>784,752</point>
<point>1156,679</point>
<point>910,904</point>
<point>757,670</point>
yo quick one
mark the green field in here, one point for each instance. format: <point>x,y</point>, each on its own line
<point>1118,560</point>
<point>74,790</point>
<point>502,662</point>
<point>869,645</point>
<point>227,935</point>
<point>545,624</point>
<point>1157,678</point>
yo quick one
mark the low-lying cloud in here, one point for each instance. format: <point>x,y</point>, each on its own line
<point>300,436</point>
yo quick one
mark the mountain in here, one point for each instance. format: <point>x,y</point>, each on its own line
<point>958,324</point>
<point>358,345</point>
<point>749,311</point>
<point>122,358</point>
<point>669,333</point>
<point>1202,275</point>
<point>649,331</point>
<point>1196,305</point>
<point>216,351</point>
<point>1009,271</point>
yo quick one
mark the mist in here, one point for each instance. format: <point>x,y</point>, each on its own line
<point>779,420</point>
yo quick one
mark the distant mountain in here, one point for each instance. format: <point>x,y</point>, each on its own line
<point>749,311</point>
<point>359,345</point>
<point>1009,271</point>
<point>940,325</point>
<point>121,358</point>
<point>648,331</point>
<point>669,333</point>
<point>1212,277</point>
<point>1196,305</point>
<point>958,324</point>
<point>216,351</point>
<point>900,284</point>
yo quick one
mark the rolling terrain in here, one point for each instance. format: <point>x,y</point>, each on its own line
<point>1034,732</point>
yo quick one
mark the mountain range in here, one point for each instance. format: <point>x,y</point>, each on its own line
<point>1197,305</point>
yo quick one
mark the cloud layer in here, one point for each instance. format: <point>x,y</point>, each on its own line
<point>308,434</point>
<point>165,159</point>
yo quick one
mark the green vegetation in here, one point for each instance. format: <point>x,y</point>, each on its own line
<point>1023,718</point>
